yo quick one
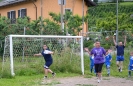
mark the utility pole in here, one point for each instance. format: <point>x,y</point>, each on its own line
<point>62,23</point>
<point>41,16</point>
<point>117,32</point>
<point>83,18</point>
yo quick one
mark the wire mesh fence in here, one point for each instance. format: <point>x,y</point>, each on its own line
<point>106,39</point>
<point>67,51</point>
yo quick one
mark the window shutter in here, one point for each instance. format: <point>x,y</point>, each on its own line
<point>18,13</point>
<point>13,16</point>
<point>23,13</point>
<point>8,15</point>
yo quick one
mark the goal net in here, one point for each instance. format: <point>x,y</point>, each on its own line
<point>19,53</point>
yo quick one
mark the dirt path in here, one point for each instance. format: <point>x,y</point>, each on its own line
<point>107,81</point>
<point>81,81</point>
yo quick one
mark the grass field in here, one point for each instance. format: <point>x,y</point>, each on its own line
<point>32,77</point>
<point>34,80</point>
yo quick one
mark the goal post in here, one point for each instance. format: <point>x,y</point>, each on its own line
<point>15,40</point>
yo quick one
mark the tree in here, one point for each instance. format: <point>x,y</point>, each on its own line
<point>72,22</point>
<point>108,23</point>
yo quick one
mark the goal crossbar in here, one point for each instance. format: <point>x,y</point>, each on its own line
<point>44,36</point>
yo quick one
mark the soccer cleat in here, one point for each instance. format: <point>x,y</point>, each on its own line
<point>119,69</point>
<point>108,74</point>
<point>129,76</point>
<point>53,74</point>
<point>98,81</point>
<point>45,77</point>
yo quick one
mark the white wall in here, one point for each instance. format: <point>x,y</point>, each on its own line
<point>105,0</point>
<point>128,0</point>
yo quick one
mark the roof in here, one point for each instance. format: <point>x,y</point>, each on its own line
<point>3,3</point>
<point>90,3</point>
<point>10,2</point>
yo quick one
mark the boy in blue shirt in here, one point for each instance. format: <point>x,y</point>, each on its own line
<point>108,59</point>
<point>120,53</point>
<point>130,67</point>
<point>92,63</point>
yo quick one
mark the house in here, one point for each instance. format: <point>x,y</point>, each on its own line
<point>101,1</point>
<point>35,8</point>
<point>127,0</point>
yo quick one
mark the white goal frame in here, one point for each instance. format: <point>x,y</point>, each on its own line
<point>44,36</point>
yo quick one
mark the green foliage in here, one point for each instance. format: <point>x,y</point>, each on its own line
<point>66,64</point>
<point>89,44</point>
<point>104,16</point>
<point>72,22</point>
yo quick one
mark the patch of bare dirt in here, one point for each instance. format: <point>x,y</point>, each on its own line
<point>81,81</point>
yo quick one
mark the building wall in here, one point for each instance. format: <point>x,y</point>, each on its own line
<point>47,6</point>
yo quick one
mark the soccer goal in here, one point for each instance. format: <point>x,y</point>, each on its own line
<point>19,53</point>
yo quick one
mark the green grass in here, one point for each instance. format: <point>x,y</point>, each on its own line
<point>33,73</point>
<point>34,80</point>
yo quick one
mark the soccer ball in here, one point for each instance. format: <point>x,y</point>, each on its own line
<point>47,52</point>
<point>13,74</point>
<point>107,38</point>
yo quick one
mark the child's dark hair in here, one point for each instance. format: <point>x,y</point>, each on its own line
<point>131,52</point>
<point>48,48</point>
<point>106,50</point>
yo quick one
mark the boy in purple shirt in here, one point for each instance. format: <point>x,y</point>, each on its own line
<point>99,54</point>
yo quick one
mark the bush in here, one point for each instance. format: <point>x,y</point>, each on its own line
<point>88,43</point>
<point>106,46</point>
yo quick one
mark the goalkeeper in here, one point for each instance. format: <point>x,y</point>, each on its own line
<point>46,53</point>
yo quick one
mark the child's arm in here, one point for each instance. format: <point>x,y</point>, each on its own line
<point>110,58</point>
<point>87,50</point>
<point>114,41</point>
<point>39,54</point>
<point>50,52</point>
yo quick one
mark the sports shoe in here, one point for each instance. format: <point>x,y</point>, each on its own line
<point>129,76</point>
<point>45,77</point>
<point>98,81</point>
<point>108,74</point>
<point>53,74</point>
<point>119,69</point>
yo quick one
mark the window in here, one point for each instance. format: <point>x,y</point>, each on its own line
<point>22,13</point>
<point>68,10</point>
<point>12,15</point>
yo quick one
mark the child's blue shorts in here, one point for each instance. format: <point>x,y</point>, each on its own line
<point>120,58</point>
<point>130,68</point>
